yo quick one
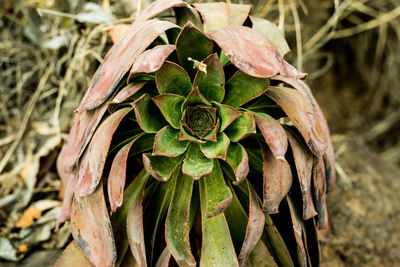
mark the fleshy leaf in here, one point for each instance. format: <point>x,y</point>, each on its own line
<point>213,150</point>
<point>260,256</point>
<point>161,167</point>
<point>151,60</point>
<point>242,88</point>
<point>195,98</point>
<point>184,135</point>
<point>154,216</point>
<point>212,135</point>
<point>119,59</point>
<point>167,143</point>
<point>272,32</point>
<point>303,160</point>
<point>117,176</point>
<point>127,92</point>
<point>277,180</point>
<point>273,133</point>
<point>211,83</point>
<point>300,112</point>
<point>220,15</point>
<point>194,44</point>
<point>241,127</point>
<point>251,52</point>
<point>218,194</point>
<point>170,106</point>
<point>148,115</point>
<point>171,78</point>
<point>226,114</point>
<point>177,223</point>
<point>217,248</point>
<point>94,159</point>
<point>238,159</point>
<point>134,222</point>
<point>91,228</point>
<point>187,13</point>
<point>196,164</point>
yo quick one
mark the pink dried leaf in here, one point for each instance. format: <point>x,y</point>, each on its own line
<point>119,59</point>
<point>91,228</point>
<point>220,15</point>
<point>94,159</point>
<point>252,52</point>
<point>277,180</point>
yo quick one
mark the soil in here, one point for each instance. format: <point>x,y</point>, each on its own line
<point>365,216</point>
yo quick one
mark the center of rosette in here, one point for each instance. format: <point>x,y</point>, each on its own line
<point>199,120</point>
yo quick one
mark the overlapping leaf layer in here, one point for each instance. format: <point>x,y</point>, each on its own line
<point>204,144</point>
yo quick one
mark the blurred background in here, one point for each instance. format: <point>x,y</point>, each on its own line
<point>49,49</point>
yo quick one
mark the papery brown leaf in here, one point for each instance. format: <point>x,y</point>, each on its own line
<point>165,257</point>
<point>91,228</point>
<point>273,133</point>
<point>117,177</point>
<point>68,194</point>
<point>252,52</point>
<point>116,31</point>
<point>277,180</point>
<point>156,8</point>
<point>119,59</point>
<point>300,111</point>
<point>319,182</point>
<point>92,163</point>
<point>151,60</point>
<point>127,92</point>
<point>72,256</point>
<point>254,229</point>
<point>303,160</point>
<point>220,15</point>
<point>81,132</point>
<point>299,231</point>
<point>322,126</point>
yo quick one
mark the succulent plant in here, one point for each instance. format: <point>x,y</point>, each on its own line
<point>205,145</point>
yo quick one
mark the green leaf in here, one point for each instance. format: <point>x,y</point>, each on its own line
<point>242,88</point>
<point>223,58</point>
<point>196,164</point>
<point>185,14</point>
<point>241,127</point>
<point>213,150</point>
<point>167,143</point>
<point>154,216</point>
<point>218,194</point>
<point>217,248</point>
<point>195,98</point>
<point>184,135</point>
<point>226,114</point>
<point>161,167</point>
<point>177,223</point>
<point>134,222</point>
<point>147,114</point>
<point>212,135</point>
<point>192,43</point>
<point>171,78</point>
<point>170,106</point>
<point>238,159</point>
<point>211,83</point>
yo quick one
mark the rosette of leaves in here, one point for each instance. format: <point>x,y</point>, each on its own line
<point>203,143</point>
